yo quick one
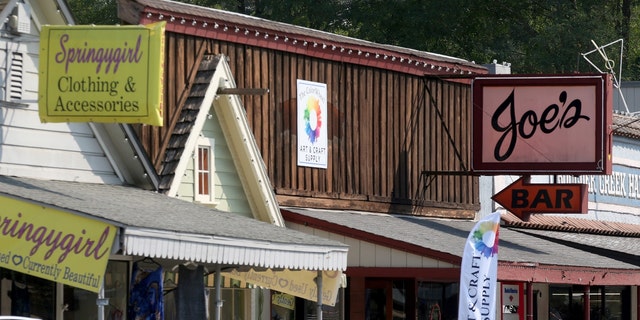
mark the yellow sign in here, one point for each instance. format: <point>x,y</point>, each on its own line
<point>298,283</point>
<point>102,74</point>
<point>284,300</point>
<point>54,245</point>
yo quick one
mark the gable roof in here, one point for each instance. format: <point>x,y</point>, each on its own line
<point>234,27</point>
<point>214,75</point>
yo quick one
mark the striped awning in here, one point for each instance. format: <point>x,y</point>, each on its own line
<point>157,226</point>
<point>231,251</point>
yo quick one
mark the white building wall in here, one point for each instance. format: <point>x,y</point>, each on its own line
<point>28,148</point>
<point>229,193</point>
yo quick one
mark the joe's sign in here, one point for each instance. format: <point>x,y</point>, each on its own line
<point>542,124</point>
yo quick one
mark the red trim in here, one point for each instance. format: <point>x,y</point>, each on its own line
<point>324,225</point>
<point>568,275</point>
<point>316,47</point>
<point>431,274</point>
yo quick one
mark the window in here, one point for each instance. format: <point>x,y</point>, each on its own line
<point>203,171</point>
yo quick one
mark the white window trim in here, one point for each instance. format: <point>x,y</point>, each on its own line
<point>210,198</point>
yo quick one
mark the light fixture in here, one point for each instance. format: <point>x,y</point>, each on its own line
<point>182,21</point>
<point>160,17</point>
<point>149,15</point>
<point>204,24</point>
<point>257,33</point>
<point>193,23</point>
<point>172,19</point>
<point>215,25</point>
<point>237,29</point>
<point>275,37</point>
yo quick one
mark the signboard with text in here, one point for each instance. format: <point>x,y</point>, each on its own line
<point>542,124</point>
<point>101,74</point>
<point>313,140</point>
<point>54,245</point>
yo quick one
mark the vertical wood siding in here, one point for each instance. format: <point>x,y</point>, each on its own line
<point>386,129</point>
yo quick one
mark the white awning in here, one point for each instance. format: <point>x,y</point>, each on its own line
<point>157,226</point>
<point>232,251</point>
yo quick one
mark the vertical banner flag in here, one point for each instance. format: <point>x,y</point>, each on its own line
<point>479,271</point>
<point>313,139</point>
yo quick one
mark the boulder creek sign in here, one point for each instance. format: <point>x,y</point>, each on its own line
<point>101,74</point>
<point>542,124</point>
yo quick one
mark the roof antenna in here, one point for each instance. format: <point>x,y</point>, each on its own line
<point>609,66</point>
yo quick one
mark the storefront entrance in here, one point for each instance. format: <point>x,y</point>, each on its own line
<point>388,299</point>
<point>605,302</point>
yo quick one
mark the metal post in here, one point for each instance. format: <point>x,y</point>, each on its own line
<point>218,280</point>
<point>319,285</point>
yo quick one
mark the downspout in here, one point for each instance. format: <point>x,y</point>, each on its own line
<point>529,307</point>
<point>587,303</point>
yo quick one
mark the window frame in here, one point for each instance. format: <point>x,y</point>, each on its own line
<point>203,143</point>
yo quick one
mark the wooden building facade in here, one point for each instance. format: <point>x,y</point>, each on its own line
<point>399,122</point>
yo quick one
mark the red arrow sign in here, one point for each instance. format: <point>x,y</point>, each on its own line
<point>523,198</point>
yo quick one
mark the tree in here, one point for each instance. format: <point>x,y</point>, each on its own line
<point>535,36</point>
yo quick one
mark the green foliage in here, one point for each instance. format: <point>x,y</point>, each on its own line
<point>535,36</point>
<point>98,12</point>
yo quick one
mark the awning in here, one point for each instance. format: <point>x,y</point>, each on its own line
<point>523,256</point>
<point>155,225</point>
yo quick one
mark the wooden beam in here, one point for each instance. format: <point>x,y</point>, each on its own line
<point>243,91</point>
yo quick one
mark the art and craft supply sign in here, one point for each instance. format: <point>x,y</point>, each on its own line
<point>312,116</point>
<point>54,245</point>
<point>479,271</point>
<point>102,74</point>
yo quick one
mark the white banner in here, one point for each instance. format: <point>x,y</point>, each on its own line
<point>479,271</point>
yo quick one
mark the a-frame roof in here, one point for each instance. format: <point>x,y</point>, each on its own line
<point>205,97</point>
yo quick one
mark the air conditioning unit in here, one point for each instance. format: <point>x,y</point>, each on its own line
<point>20,20</point>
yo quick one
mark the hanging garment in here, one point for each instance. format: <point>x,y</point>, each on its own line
<point>146,296</point>
<point>20,303</point>
<point>190,294</point>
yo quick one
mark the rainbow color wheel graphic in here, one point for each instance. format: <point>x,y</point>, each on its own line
<point>486,238</point>
<point>313,119</point>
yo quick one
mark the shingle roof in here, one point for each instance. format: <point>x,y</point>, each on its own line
<point>209,22</point>
<point>572,224</point>
<point>128,206</point>
<point>626,125</point>
<point>449,236</point>
<point>186,120</point>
